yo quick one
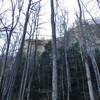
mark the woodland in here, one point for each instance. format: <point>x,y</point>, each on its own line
<point>65,67</point>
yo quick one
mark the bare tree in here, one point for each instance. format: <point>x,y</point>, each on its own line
<point>9,34</point>
<point>27,64</point>
<point>66,60</point>
<point>18,58</point>
<point>87,38</point>
<point>54,54</point>
<point>84,56</point>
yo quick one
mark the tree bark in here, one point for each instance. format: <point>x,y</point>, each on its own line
<point>19,56</point>
<point>84,56</point>
<point>66,61</point>
<point>54,55</point>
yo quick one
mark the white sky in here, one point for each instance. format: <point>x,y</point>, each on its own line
<point>71,7</point>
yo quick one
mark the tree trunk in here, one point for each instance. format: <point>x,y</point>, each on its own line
<point>19,56</point>
<point>84,56</point>
<point>91,93</point>
<point>54,54</point>
<point>96,70</point>
<point>93,60</point>
<point>66,63</point>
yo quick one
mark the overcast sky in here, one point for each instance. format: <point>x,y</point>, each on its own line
<point>70,6</point>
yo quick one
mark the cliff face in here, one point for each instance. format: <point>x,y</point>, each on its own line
<point>74,35</point>
<point>33,44</point>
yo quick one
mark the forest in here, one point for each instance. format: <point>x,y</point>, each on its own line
<point>49,49</point>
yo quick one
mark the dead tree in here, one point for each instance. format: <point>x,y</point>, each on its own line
<point>84,55</point>
<point>18,59</point>
<point>9,34</point>
<point>66,60</point>
<point>27,65</point>
<point>88,45</point>
<point>54,54</point>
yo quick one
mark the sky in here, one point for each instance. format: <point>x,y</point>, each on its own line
<point>45,11</point>
<point>69,5</point>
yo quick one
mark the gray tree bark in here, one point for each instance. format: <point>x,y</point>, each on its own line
<point>87,37</point>
<point>87,45</point>
<point>18,58</point>
<point>66,60</point>
<point>84,56</point>
<point>9,34</point>
<point>54,54</point>
<point>27,67</point>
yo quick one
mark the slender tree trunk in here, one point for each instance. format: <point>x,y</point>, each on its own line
<point>96,70</point>
<point>54,54</point>
<point>88,75</point>
<point>82,68</point>
<point>91,92</point>
<point>31,69</point>
<point>84,56</point>
<point>9,40</point>
<point>93,60</point>
<point>62,83</point>
<point>66,63</point>
<point>87,45</point>
<point>25,72</point>
<point>19,56</point>
<point>6,57</point>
